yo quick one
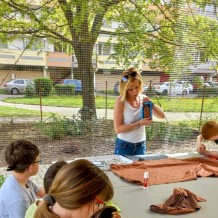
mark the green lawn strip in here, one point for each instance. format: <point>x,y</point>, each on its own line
<point>18,112</point>
<point>64,101</point>
<point>172,104</point>
<point>189,104</point>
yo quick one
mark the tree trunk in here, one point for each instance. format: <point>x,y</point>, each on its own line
<point>83,52</point>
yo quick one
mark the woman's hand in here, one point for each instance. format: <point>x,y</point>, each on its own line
<point>157,111</point>
<point>145,121</point>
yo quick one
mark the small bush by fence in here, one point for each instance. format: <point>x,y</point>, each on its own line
<point>64,89</point>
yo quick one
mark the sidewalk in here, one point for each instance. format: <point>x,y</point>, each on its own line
<point>101,113</point>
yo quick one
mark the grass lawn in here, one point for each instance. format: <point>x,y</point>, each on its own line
<point>173,104</point>
<point>18,112</point>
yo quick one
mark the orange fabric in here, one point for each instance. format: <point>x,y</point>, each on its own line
<point>180,202</point>
<point>167,170</point>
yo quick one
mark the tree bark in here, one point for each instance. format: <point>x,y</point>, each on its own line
<point>83,52</point>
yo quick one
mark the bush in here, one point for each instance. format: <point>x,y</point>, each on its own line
<point>208,91</point>
<point>160,131</point>
<point>30,90</point>
<point>2,179</point>
<point>64,89</point>
<point>57,127</point>
<point>2,91</point>
<point>43,86</point>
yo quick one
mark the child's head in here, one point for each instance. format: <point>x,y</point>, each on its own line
<point>51,173</point>
<point>209,130</point>
<point>79,185</point>
<point>20,154</point>
<point>106,212</point>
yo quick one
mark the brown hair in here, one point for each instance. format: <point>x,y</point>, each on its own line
<point>124,85</point>
<point>75,185</point>
<point>209,130</point>
<point>20,154</point>
<point>105,212</point>
<point>51,173</point>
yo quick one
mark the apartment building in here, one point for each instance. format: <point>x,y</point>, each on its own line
<point>17,60</point>
<point>207,69</point>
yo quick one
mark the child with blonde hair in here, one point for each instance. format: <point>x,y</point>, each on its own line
<point>209,131</point>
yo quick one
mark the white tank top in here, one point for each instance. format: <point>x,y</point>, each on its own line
<point>131,115</point>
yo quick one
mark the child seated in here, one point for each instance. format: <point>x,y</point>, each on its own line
<point>79,189</point>
<point>209,132</point>
<point>18,192</point>
<point>47,181</point>
<point>106,212</point>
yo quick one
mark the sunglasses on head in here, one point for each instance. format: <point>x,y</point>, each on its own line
<point>216,141</point>
<point>126,77</point>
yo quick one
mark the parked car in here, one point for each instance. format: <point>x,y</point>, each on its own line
<point>116,87</point>
<point>186,85</point>
<point>77,83</point>
<point>210,84</point>
<point>215,84</point>
<point>17,86</point>
<point>172,88</point>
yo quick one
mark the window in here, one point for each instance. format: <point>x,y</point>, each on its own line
<point>106,49</point>
<point>100,45</point>
<point>19,82</point>
<point>106,24</point>
<point>196,57</point>
<point>199,57</point>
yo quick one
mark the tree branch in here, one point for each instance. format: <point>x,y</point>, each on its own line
<point>66,8</point>
<point>97,24</point>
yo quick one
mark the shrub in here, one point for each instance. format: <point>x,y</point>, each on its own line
<point>173,132</point>
<point>64,89</point>
<point>43,86</point>
<point>30,90</point>
<point>2,179</point>
<point>57,127</point>
<point>208,91</point>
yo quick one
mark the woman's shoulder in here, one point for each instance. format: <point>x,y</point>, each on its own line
<point>118,99</point>
<point>143,95</point>
<point>119,102</point>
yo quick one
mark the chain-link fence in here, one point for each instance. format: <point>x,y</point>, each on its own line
<point>61,63</point>
<point>54,122</point>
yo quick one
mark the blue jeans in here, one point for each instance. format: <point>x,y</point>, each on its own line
<point>128,148</point>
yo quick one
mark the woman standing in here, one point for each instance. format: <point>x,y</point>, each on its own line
<point>128,122</point>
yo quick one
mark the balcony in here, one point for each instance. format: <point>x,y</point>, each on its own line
<point>58,59</point>
<point>11,57</point>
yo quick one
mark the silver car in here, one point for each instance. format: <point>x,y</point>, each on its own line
<point>172,88</point>
<point>17,86</point>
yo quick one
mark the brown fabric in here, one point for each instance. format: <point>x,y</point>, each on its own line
<point>167,170</point>
<point>182,201</point>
